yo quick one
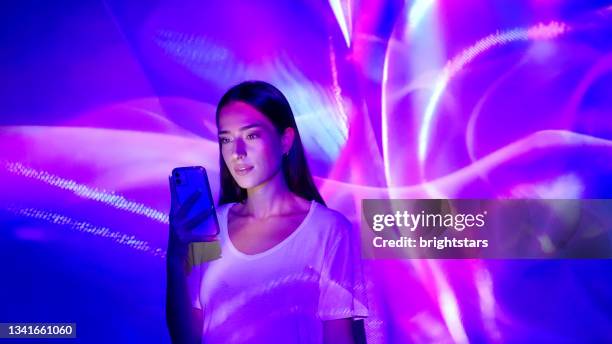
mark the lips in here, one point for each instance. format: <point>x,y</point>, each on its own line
<point>241,170</point>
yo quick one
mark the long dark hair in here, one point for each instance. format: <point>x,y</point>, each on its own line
<point>268,100</point>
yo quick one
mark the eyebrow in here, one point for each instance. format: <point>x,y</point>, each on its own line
<point>246,127</point>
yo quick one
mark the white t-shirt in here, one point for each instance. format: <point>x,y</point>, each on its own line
<point>283,294</point>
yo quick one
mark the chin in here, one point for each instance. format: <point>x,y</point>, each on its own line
<point>249,182</point>
<point>246,183</point>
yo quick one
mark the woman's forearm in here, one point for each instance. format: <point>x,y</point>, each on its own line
<point>184,324</point>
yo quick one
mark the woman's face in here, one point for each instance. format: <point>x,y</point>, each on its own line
<point>250,144</point>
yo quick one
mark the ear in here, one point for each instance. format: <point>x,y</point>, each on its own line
<point>287,139</point>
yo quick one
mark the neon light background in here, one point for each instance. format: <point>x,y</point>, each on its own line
<point>99,100</point>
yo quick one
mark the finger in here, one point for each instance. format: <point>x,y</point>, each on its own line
<point>202,238</point>
<point>207,231</point>
<point>196,220</point>
<point>198,237</point>
<point>185,207</point>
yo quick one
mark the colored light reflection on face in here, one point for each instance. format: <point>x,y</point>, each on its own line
<point>250,144</point>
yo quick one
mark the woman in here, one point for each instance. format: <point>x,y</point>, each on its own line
<point>289,269</point>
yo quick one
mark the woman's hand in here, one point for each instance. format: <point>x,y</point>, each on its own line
<point>182,225</point>
<point>184,324</point>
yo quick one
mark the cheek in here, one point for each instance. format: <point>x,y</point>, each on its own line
<point>226,153</point>
<point>265,151</point>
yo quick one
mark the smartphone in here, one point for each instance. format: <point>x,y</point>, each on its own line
<point>187,181</point>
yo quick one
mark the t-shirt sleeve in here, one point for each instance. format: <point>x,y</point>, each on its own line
<point>342,292</point>
<point>200,253</point>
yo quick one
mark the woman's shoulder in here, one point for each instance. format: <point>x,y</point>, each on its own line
<point>331,226</point>
<point>331,218</point>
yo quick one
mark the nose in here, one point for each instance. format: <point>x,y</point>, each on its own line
<point>239,149</point>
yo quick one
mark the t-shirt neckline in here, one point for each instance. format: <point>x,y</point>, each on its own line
<point>272,249</point>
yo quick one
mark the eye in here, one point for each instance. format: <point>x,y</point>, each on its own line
<point>252,136</point>
<point>224,140</point>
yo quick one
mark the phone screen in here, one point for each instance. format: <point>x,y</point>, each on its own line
<point>187,181</point>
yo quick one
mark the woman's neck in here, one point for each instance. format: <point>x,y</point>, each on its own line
<point>271,198</point>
